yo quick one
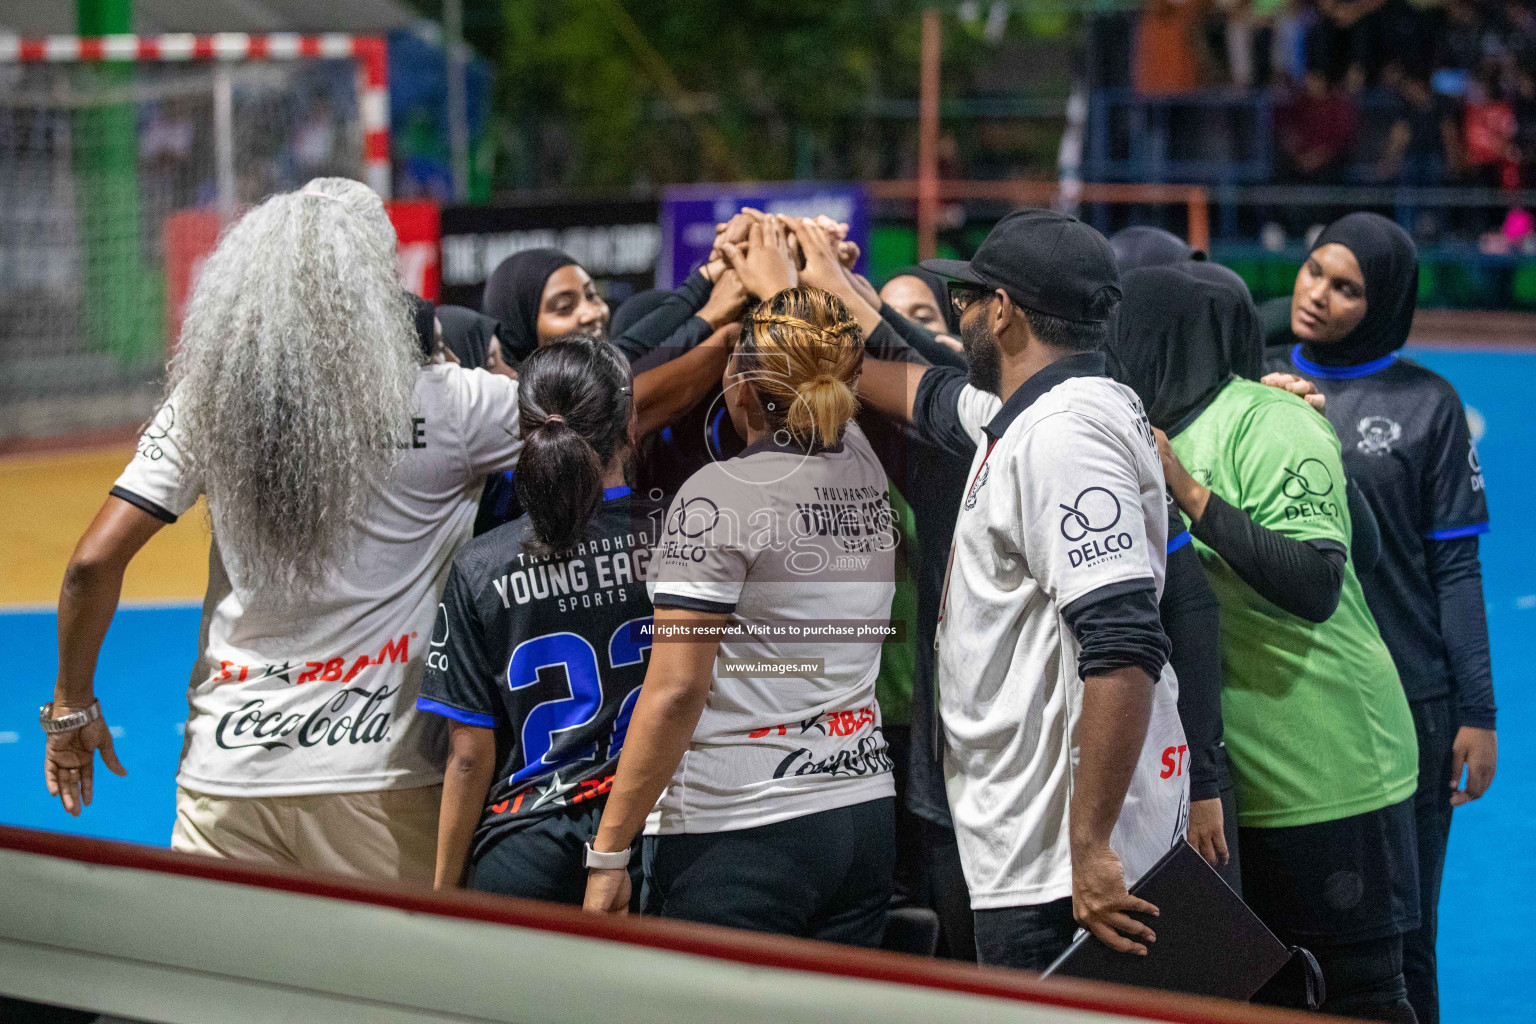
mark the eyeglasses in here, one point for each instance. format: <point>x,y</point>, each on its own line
<point>963,293</point>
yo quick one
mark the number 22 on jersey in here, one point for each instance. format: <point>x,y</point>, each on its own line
<point>544,725</point>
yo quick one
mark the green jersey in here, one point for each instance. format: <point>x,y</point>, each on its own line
<point>1317,725</point>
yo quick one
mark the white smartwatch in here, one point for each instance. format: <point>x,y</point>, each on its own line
<point>590,858</point>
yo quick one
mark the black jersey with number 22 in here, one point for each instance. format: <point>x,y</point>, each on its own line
<point>548,652</point>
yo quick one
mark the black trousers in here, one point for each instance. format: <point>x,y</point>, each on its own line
<point>1436,721</point>
<point>944,891</point>
<point>1029,938</point>
<point>928,872</point>
<point>542,860</point>
<point>822,876</point>
<point>1360,979</point>
<point>1347,890</point>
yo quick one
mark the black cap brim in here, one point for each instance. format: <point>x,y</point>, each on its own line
<point>960,270</point>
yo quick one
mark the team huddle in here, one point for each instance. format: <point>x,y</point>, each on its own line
<point>777,602</point>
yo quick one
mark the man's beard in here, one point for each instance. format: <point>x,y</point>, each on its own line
<point>981,352</point>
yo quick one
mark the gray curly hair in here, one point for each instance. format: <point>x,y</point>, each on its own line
<point>295,379</point>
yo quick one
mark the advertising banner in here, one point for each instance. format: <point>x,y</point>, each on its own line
<point>689,214</point>
<point>617,241</point>
<point>416,253</point>
<point>188,237</point>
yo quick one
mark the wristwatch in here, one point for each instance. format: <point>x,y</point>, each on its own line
<point>590,858</point>
<point>70,722</point>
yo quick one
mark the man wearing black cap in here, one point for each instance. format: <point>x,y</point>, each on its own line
<point>1064,758</point>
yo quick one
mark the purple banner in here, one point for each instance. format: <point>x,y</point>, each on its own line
<point>689,214</point>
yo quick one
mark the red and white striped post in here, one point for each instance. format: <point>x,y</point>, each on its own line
<point>368,51</point>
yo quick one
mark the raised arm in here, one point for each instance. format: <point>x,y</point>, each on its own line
<point>1302,577</point>
<point>891,388</point>
<point>93,582</point>
<point>668,391</point>
<point>688,300</point>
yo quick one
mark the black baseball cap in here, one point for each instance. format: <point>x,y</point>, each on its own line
<point>1047,262</point>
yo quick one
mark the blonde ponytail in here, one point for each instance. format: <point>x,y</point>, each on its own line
<point>802,351</point>
<point>823,405</point>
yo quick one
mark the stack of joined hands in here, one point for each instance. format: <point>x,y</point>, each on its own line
<point>769,252</point>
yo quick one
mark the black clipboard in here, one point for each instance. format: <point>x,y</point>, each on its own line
<point>1208,942</point>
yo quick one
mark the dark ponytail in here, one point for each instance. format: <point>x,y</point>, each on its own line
<point>575,403</point>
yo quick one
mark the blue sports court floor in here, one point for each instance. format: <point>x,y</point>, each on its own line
<point>1490,881</point>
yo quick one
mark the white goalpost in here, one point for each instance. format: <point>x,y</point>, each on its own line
<point>121,157</point>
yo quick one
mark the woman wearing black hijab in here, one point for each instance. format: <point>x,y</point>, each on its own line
<point>471,337</point>
<point>1144,246</point>
<point>1319,733</point>
<point>1406,443</point>
<point>915,304</point>
<point>539,295</point>
<point>1212,300</point>
<point>922,297</point>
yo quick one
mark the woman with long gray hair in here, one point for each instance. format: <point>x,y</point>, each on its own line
<point>341,473</point>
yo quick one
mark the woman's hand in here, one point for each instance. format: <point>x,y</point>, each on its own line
<point>1207,831</point>
<point>861,285</point>
<point>822,268</point>
<point>726,300</point>
<point>608,891</point>
<point>734,232</point>
<point>767,266</point>
<point>69,759</point>
<point>1478,751</point>
<point>1298,386</point>
<point>1187,491</point>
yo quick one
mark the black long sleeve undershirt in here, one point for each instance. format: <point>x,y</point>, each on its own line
<point>1304,578</point>
<point>694,331</point>
<point>1117,626</point>
<point>1190,615</point>
<point>652,330</point>
<point>1457,576</point>
<point>885,342</point>
<point>921,340</point>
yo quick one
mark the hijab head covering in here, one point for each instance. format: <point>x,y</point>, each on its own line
<point>424,312</point>
<point>468,334</point>
<point>1389,262</point>
<point>1141,246</point>
<point>1179,335</point>
<point>634,309</point>
<point>940,288</point>
<point>512,296</point>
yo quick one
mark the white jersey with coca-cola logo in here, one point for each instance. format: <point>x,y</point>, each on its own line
<point>318,695</point>
<point>799,551</point>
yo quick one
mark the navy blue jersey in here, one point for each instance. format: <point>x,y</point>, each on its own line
<point>550,653</point>
<point>1407,446</point>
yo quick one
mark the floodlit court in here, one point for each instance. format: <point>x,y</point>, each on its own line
<point>1491,870</point>
<point>821,512</point>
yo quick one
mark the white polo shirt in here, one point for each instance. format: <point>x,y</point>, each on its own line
<point>1066,499</point>
<point>318,695</point>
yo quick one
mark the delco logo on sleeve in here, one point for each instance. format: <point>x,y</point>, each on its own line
<point>1308,486</point>
<point>1089,524</point>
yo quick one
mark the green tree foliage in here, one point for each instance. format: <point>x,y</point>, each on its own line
<point>618,93</point>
